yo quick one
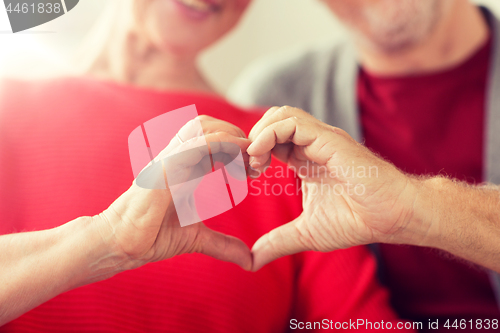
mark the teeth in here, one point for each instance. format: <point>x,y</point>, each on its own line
<point>196,5</point>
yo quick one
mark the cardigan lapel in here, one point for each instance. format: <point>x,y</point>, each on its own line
<point>343,93</point>
<point>491,168</point>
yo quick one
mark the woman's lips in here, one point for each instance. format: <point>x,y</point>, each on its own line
<point>198,9</point>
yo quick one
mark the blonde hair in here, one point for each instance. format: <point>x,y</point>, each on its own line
<point>113,42</point>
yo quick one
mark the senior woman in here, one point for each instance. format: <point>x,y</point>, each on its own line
<point>64,157</point>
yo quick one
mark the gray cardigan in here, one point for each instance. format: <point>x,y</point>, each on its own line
<point>322,80</point>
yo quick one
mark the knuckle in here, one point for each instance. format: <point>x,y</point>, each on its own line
<point>340,132</point>
<point>285,110</point>
<point>272,110</point>
<point>235,131</point>
<point>291,112</point>
<point>203,118</point>
<point>222,136</point>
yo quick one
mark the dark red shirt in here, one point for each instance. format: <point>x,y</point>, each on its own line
<point>428,125</point>
<point>64,154</point>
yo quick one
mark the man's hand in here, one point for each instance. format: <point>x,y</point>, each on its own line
<point>142,224</point>
<point>350,196</point>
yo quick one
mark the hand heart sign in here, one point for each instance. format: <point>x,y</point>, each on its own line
<point>26,14</point>
<point>205,179</point>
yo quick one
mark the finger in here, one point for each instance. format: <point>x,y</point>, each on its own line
<point>274,115</point>
<point>218,143</point>
<point>214,125</point>
<point>305,169</point>
<point>277,133</point>
<point>280,242</point>
<point>189,160</point>
<point>282,152</point>
<point>262,123</point>
<point>260,163</point>
<point>202,146</point>
<point>202,126</point>
<point>172,161</point>
<point>253,173</point>
<point>224,247</point>
<point>280,132</point>
<point>318,141</point>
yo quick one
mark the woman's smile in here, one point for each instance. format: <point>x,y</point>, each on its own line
<point>198,8</point>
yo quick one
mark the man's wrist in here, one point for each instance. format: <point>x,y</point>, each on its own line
<point>426,221</point>
<point>458,218</point>
<point>421,227</point>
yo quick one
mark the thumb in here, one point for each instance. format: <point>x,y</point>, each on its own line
<point>224,247</point>
<point>282,241</point>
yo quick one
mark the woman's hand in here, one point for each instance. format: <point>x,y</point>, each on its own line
<point>142,224</point>
<point>350,196</point>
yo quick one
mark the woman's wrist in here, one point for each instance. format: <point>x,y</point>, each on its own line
<point>50,262</point>
<point>93,251</point>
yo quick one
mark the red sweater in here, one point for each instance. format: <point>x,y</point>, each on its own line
<point>432,124</point>
<point>64,154</point>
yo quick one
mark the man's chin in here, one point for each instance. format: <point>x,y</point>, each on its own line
<point>388,45</point>
<point>391,45</point>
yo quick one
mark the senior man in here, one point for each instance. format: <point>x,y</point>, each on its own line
<point>419,83</point>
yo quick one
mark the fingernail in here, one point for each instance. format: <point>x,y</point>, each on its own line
<point>253,163</point>
<point>250,147</point>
